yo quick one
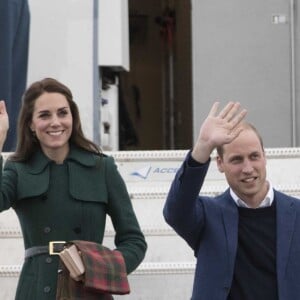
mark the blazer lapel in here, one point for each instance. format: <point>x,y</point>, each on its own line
<point>230,219</point>
<point>286,217</point>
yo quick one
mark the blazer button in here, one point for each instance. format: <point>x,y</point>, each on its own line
<point>47,229</point>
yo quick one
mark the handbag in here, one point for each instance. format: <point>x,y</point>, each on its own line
<point>71,258</point>
<point>104,275</point>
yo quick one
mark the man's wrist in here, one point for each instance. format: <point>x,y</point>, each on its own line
<point>201,153</point>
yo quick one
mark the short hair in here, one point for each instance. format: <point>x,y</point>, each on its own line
<point>245,126</point>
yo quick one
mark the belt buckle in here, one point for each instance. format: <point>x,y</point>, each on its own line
<point>52,245</point>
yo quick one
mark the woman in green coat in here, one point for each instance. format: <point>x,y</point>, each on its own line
<point>62,187</point>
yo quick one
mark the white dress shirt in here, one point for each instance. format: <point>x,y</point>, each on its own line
<point>265,203</point>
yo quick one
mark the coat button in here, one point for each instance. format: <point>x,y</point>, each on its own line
<point>48,260</point>
<point>44,197</point>
<point>77,230</point>
<point>47,229</point>
<point>47,289</point>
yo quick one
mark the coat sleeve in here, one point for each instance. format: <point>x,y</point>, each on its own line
<point>129,238</point>
<point>183,209</point>
<point>8,181</point>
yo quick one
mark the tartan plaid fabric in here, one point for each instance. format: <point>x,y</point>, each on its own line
<point>105,274</point>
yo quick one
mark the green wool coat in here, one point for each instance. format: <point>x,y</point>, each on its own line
<point>63,202</point>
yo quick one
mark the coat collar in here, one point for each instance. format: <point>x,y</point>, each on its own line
<point>39,161</point>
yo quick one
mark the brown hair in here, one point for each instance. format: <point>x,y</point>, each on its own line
<point>247,126</point>
<point>27,143</point>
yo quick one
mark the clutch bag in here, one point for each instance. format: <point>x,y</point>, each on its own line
<point>73,262</point>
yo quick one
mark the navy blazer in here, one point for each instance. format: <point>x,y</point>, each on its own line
<point>210,226</point>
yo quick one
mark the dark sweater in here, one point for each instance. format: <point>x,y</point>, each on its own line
<point>255,265</point>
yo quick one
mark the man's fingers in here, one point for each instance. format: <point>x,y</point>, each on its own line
<point>238,118</point>
<point>229,113</point>
<point>214,109</point>
<point>235,132</point>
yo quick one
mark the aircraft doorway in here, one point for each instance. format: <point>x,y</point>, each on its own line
<point>155,104</point>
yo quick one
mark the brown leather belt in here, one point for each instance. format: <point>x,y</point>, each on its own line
<point>53,248</point>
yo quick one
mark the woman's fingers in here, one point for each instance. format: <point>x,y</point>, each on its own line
<point>2,107</point>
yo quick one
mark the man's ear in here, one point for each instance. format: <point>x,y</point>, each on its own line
<point>220,164</point>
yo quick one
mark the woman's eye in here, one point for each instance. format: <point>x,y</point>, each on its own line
<point>44,115</point>
<point>63,113</point>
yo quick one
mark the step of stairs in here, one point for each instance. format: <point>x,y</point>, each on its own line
<point>168,268</point>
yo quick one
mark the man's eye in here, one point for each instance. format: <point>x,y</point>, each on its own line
<point>235,160</point>
<point>255,156</point>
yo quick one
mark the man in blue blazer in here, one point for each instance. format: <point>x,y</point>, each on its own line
<point>246,240</point>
